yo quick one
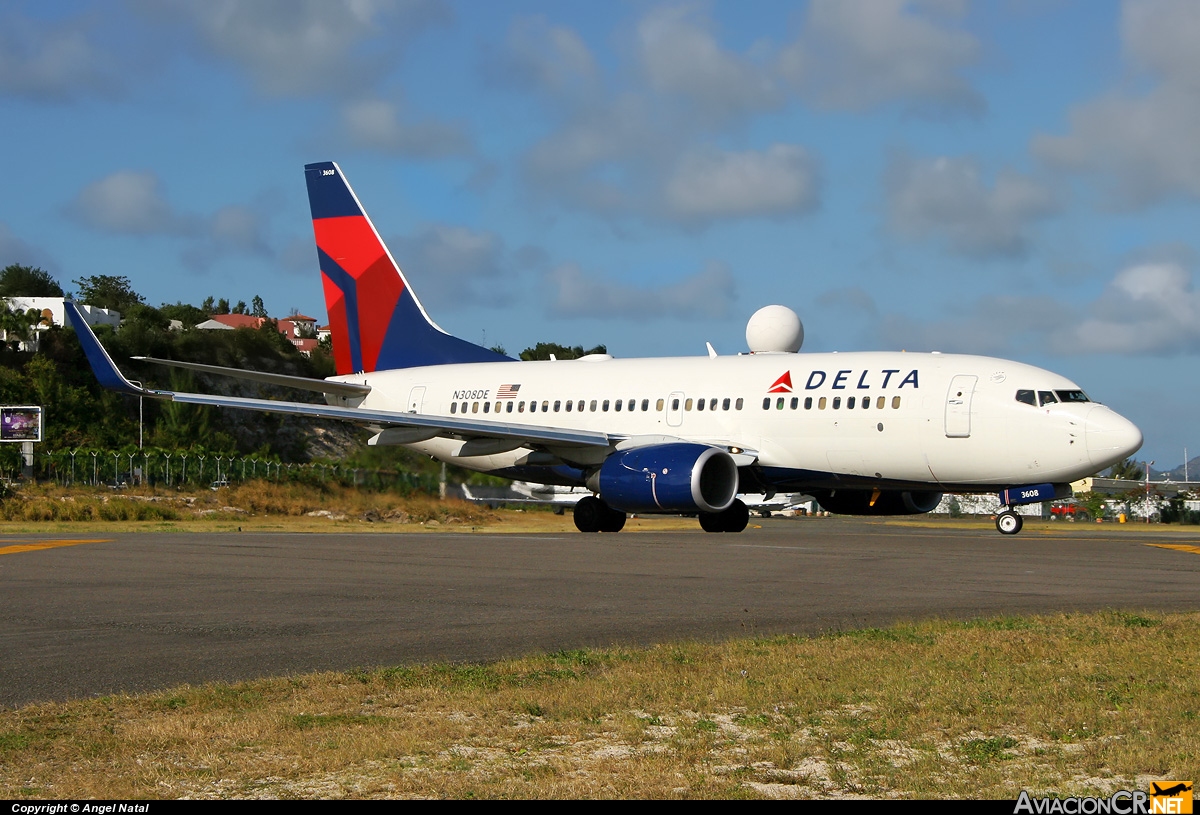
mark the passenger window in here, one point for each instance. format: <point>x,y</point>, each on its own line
<point>533,407</point>
<point>837,402</point>
<point>521,407</point>
<point>1046,398</point>
<point>632,404</point>
<point>880,402</point>
<point>570,405</point>
<point>545,406</point>
<point>712,405</point>
<point>1026,398</point>
<point>604,406</point>
<point>808,403</point>
<point>687,404</point>
<point>579,407</point>
<point>821,403</point>
<point>557,405</point>
<point>766,403</point>
<point>474,407</point>
<point>592,406</point>
<point>486,405</point>
<point>645,405</point>
<point>725,403</point>
<point>617,406</point>
<point>866,402</point>
<point>658,405</point>
<point>674,404</point>
<point>699,404</point>
<point>779,403</point>
<point>738,404</point>
<point>850,402</point>
<point>895,402</point>
<point>508,408</point>
<point>795,402</point>
<point>454,407</point>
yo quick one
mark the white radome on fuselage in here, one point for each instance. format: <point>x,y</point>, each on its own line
<point>988,439</point>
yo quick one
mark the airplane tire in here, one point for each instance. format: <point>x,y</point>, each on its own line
<point>736,518</point>
<point>711,522</point>
<point>589,511</point>
<point>613,520</point>
<point>1009,523</point>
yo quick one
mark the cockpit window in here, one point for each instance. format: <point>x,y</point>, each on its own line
<point>1046,398</point>
<point>1027,398</point>
<point>1072,396</point>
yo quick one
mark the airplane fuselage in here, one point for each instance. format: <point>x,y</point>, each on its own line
<point>888,420</point>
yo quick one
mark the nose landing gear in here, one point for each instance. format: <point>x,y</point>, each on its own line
<point>1008,522</point>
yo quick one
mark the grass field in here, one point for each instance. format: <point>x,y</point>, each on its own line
<point>1067,705</point>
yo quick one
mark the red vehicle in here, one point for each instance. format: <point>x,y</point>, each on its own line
<point>1063,510</point>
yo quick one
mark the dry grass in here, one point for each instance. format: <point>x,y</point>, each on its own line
<point>263,506</point>
<point>1073,704</point>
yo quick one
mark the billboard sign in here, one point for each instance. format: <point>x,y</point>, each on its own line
<point>21,423</point>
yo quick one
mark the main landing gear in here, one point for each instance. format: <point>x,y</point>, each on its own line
<point>733,519</point>
<point>593,515</point>
<point>1008,522</point>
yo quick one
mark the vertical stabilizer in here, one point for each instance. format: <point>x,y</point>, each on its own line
<point>376,320</point>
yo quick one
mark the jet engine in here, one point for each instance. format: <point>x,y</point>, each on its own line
<point>887,502</point>
<point>676,477</point>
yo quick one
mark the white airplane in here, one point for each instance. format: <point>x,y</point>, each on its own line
<point>878,433</point>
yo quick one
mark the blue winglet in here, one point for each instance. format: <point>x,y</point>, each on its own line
<point>102,365</point>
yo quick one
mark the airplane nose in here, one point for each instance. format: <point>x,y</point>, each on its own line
<point>1110,436</point>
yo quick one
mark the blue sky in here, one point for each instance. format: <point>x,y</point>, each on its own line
<point>1013,178</point>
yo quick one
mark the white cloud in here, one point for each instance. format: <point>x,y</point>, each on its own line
<point>300,47</point>
<point>708,293</point>
<point>456,266</point>
<point>128,202</point>
<point>1149,308</point>
<point>681,57</point>
<point>855,54</point>
<point>542,56</point>
<point>709,184</point>
<point>52,62</point>
<point>948,198</point>
<point>1142,143</point>
<point>376,124</point>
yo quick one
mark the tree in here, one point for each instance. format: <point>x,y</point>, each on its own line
<point>240,308</point>
<point>28,281</point>
<point>222,306</point>
<point>1127,469</point>
<point>543,350</point>
<point>208,307</point>
<point>257,309</point>
<point>108,291</point>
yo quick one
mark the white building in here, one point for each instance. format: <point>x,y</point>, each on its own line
<point>53,313</point>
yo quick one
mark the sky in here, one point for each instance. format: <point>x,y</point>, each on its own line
<point>1015,178</point>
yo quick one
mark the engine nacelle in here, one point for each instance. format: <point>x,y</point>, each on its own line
<point>677,477</point>
<point>889,502</point>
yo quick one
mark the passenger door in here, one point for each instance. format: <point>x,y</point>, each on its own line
<point>958,406</point>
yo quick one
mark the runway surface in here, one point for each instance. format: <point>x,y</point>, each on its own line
<point>134,612</point>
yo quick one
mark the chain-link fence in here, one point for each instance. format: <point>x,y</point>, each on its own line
<point>191,469</point>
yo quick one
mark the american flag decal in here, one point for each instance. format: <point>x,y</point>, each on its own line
<point>507,391</point>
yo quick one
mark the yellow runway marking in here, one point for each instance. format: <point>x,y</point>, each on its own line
<point>35,546</point>
<point>1182,547</point>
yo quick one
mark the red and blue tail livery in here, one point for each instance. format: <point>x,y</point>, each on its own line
<point>377,322</point>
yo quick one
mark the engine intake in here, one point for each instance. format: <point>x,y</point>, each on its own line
<point>889,502</point>
<point>677,477</point>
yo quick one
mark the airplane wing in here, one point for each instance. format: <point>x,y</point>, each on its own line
<point>111,377</point>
